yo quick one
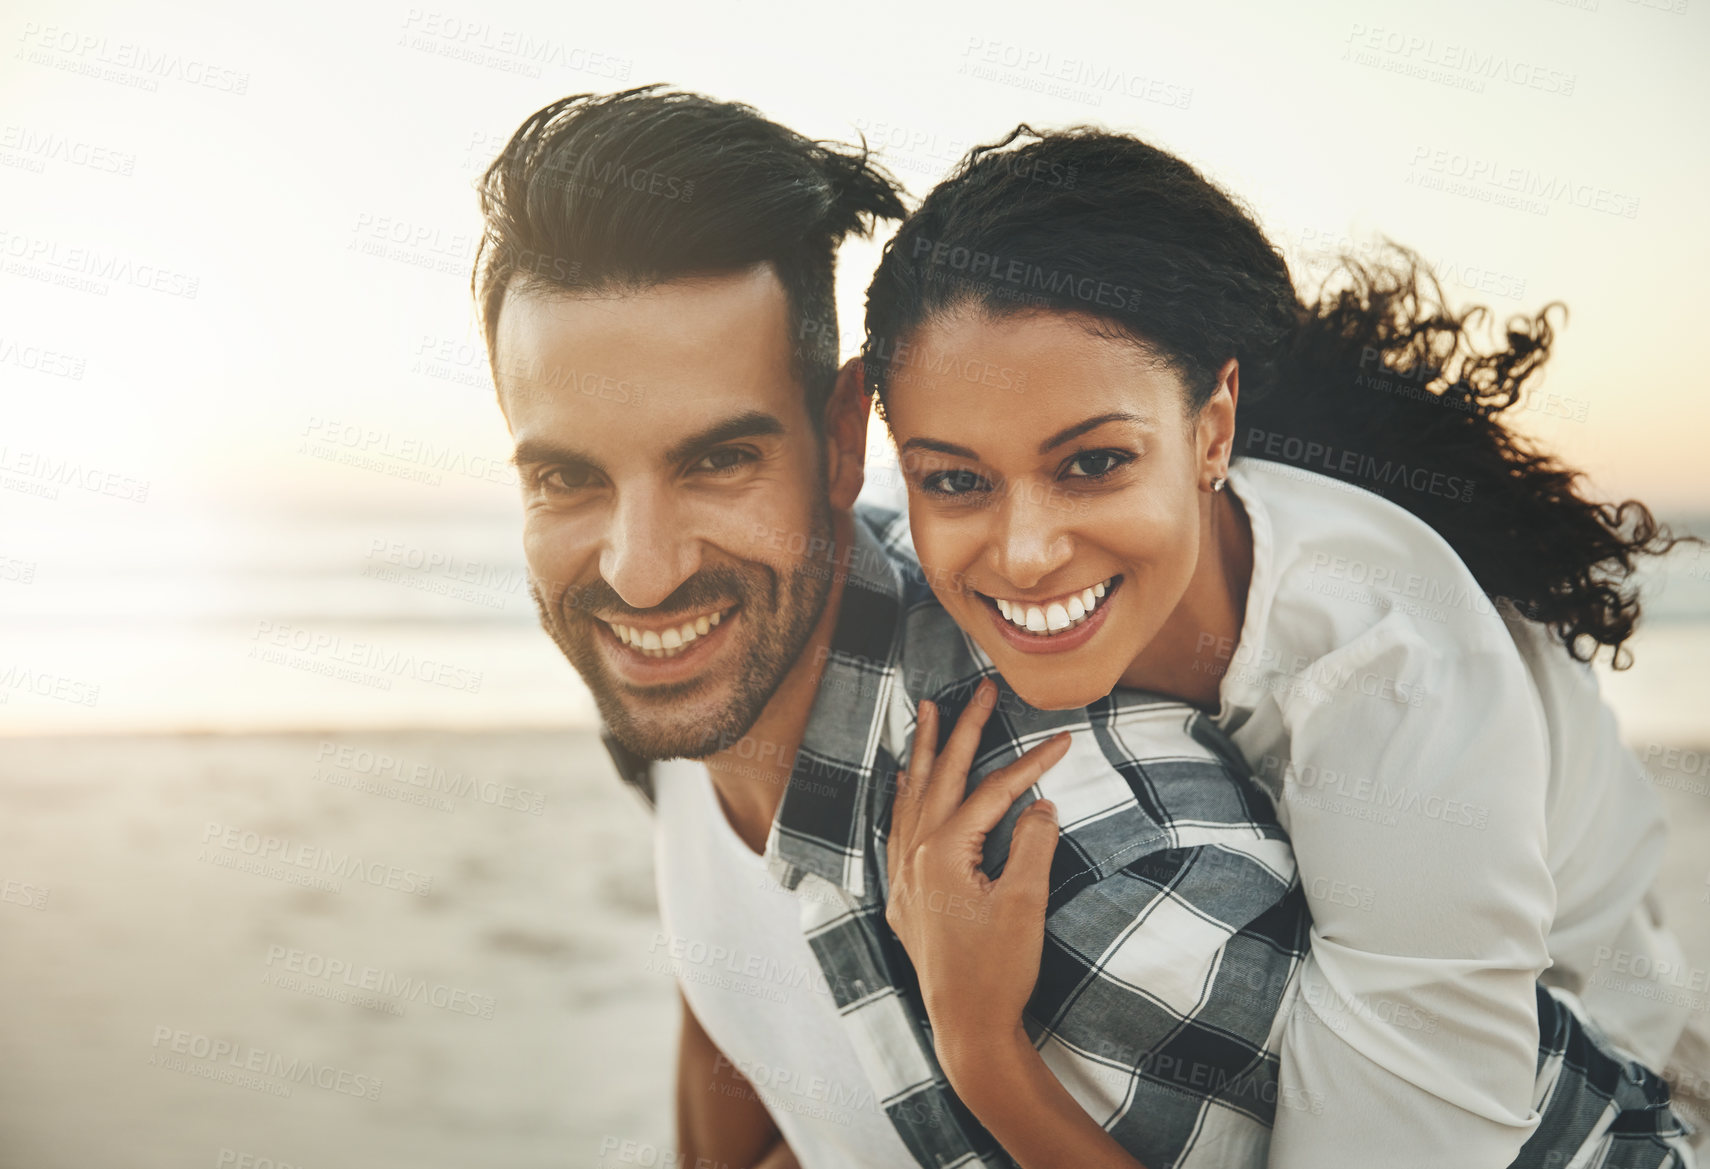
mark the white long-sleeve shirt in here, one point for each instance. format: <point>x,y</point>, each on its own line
<point>1464,815</point>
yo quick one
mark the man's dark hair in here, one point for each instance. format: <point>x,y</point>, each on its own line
<point>620,192</point>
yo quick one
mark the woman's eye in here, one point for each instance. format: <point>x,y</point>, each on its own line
<point>958,482</point>
<point>1095,464</point>
<point>724,459</point>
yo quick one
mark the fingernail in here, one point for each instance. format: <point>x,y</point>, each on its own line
<point>1049,807</point>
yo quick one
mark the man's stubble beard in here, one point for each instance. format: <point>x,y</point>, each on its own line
<point>778,629</point>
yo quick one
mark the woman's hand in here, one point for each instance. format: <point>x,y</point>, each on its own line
<point>975,942</point>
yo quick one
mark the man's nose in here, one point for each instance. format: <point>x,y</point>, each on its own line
<point>649,549</point>
<point>1032,541</point>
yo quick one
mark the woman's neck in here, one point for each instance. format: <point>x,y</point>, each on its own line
<point>1192,652</point>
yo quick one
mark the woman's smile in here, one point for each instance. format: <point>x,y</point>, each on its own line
<point>1054,624</point>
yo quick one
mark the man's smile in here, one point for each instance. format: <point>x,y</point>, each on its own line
<point>675,649</point>
<point>668,639</point>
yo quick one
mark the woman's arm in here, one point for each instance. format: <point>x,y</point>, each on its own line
<point>976,943</point>
<point>1414,790</point>
<point>1022,1103</point>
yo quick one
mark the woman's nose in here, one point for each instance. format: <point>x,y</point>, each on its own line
<point>1033,541</point>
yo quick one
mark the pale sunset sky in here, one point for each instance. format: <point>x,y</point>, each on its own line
<point>230,232</point>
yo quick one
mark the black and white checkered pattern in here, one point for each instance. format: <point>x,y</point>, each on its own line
<point>1175,926</point>
<point>1599,1108</point>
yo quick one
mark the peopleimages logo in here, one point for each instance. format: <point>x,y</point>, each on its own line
<point>1024,275</point>
<point>289,966</point>
<point>360,661</point>
<point>283,853</point>
<point>222,1059</point>
<point>1327,459</point>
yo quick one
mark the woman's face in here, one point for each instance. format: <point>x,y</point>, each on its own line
<point>1055,489</point>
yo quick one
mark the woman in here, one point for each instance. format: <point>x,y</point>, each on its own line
<point>1463,813</point>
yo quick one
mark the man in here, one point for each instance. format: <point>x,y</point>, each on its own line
<point>656,288</point>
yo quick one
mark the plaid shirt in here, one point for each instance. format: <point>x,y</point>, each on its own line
<point>1175,923</point>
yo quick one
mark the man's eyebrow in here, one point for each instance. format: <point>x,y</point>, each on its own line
<point>533,451</point>
<point>1080,428</point>
<point>748,424</point>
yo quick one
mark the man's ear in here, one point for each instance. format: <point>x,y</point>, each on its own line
<point>846,416</point>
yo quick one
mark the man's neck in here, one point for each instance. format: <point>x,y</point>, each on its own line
<point>750,775</point>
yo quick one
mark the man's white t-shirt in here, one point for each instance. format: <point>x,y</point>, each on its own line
<point>735,945</point>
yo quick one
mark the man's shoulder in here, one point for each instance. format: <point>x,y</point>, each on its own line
<point>932,654</point>
<point>883,555</point>
<point>889,527</point>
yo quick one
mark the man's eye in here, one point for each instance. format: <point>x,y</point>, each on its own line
<point>1095,464</point>
<point>724,459</point>
<point>562,479</point>
<point>958,482</point>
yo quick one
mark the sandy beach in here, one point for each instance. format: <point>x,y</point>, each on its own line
<point>493,1006</point>
<point>366,950</point>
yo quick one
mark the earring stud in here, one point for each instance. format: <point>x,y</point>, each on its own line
<point>1217,483</point>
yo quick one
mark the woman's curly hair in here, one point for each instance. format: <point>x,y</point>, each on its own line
<point>1378,371</point>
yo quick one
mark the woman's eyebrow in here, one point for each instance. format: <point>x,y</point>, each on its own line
<point>943,448</point>
<point>1080,428</point>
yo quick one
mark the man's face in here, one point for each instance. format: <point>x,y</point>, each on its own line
<point>677,519</point>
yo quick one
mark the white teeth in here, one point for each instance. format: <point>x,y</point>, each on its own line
<point>667,643</point>
<point>1055,616</point>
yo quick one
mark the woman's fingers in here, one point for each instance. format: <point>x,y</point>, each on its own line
<point>1031,847</point>
<point>923,752</point>
<point>950,773</point>
<point>1004,786</point>
<point>911,786</point>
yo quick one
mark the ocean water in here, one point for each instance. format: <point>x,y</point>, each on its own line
<point>276,619</point>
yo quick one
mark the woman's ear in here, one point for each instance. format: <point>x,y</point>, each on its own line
<point>846,415</point>
<point>1217,423</point>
